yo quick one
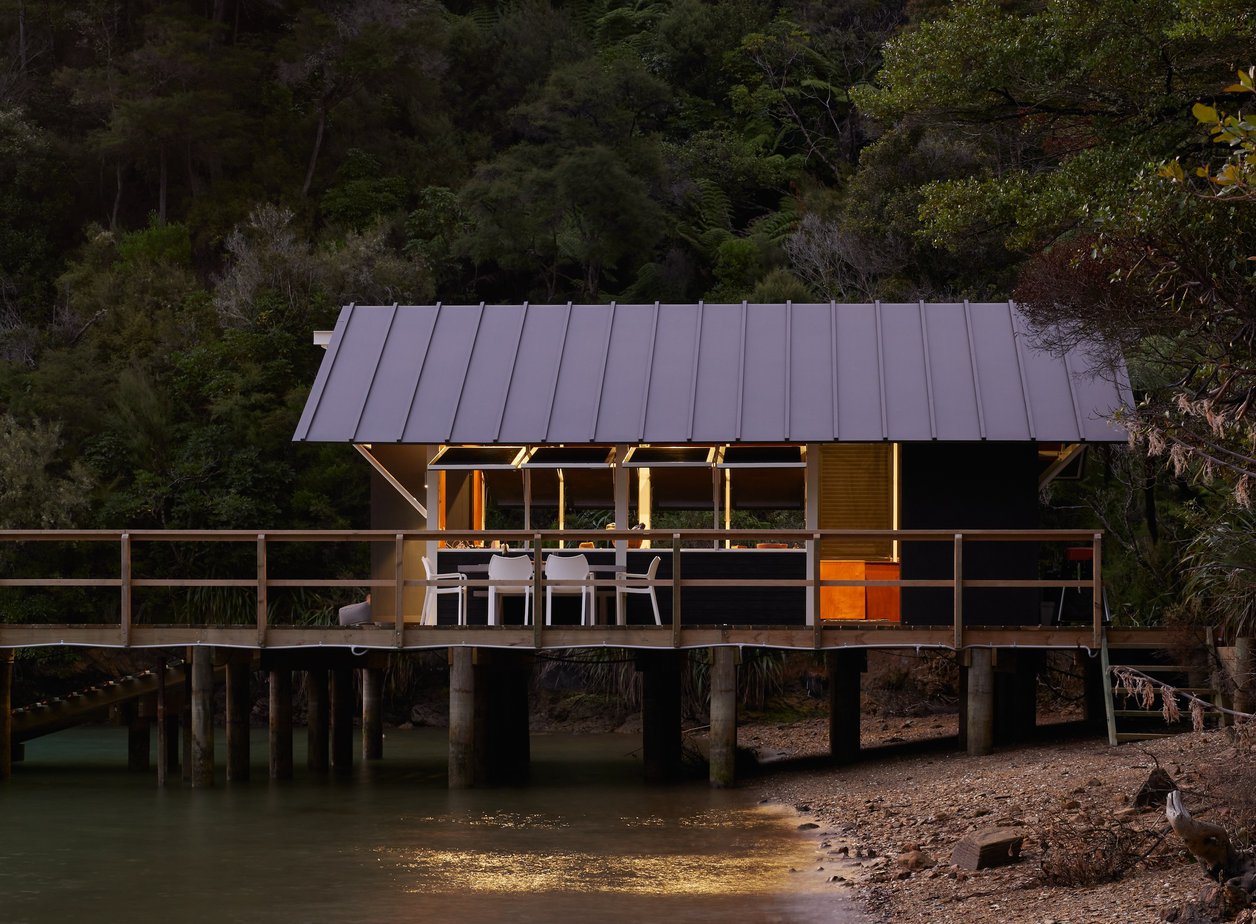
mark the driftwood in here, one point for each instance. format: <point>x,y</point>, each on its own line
<point>1233,870</point>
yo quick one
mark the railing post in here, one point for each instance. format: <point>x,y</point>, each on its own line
<point>537,600</point>
<point>675,590</point>
<point>125,573</point>
<point>958,591</point>
<point>263,592</point>
<point>817,624</point>
<point>399,589</point>
<point>1096,577</point>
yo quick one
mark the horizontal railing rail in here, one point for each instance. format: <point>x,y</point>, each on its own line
<point>125,581</point>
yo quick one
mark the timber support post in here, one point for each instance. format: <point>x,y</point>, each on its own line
<point>845,669</point>
<point>239,705</point>
<point>723,734</point>
<point>660,714</point>
<point>342,709</point>
<point>372,713</point>
<point>6,713</point>
<point>461,718</point>
<point>1015,694</point>
<point>502,751</point>
<point>185,720</point>
<point>138,734</point>
<point>163,726</point>
<point>202,716</point>
<point>979,704</point>
<point>1244,663</point>
<point>280,722</point>
<point>317,720</point>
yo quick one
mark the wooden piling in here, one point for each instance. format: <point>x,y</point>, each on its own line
<point>138,737</point>
<point>980,702</point>
<point>660,714</point>
<point>239,705</point>
<point>342,709</point>
<point>1015,695</point>
<point>7,657</point>
<point>317,720</point>
<point>163,728</point>
<point>202,716</point>
<point>461,718</point>
<point>372,713</point>
<point>723,734</point>
<point>845,669</point>
<point>1244,664</point>
<point>502,749</point>
<point>280,723</point>
<point>185,720</point>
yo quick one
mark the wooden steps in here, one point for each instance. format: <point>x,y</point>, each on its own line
<point>57,713</point>
<point>1127,720</point>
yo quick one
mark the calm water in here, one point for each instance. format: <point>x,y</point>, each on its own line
<point>83,839</point>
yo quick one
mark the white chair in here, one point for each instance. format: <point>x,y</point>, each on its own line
<point>509,568</point>
<point>626,587</point>
<point>431,593</point>
<point>569,568</point>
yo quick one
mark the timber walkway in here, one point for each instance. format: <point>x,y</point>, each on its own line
<point>218,598</point>
<point>141,589</point>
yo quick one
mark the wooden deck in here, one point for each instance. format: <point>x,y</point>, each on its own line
<point>125,583</point>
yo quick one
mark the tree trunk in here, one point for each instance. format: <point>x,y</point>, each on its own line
<point>21,39</point>
<point>161,186</point>
<point>117,196</point>
<point>318,146</point>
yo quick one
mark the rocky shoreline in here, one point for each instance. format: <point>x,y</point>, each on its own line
<point>885,828</point>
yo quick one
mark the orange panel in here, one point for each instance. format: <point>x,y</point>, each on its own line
<point>883,602</point>
<point>842,602</point>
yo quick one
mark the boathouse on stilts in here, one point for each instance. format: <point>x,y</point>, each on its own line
<point>908,441</point>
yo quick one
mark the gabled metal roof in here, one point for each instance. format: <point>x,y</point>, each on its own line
<point>531,374</point>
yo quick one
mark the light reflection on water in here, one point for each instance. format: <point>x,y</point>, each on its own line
<point>81,838</point>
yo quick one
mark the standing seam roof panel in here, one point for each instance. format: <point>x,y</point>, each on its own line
<point>715,395</point>
<point>624,379</point>
<point>385,412</point>
<point>811,381</point>
<point>527,402</point>
<point>667,411</point>
<point>713,373</point>
<point>489,370</point>
<point>1002,394</point>
<point>906,386</point>
<point>951,371</point>
<point>763,389</point>
<point>310,412</point>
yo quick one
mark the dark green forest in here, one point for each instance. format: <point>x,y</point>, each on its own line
<point>190,189</point>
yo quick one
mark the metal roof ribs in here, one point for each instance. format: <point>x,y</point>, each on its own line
<point>972,359</point>
<point>601,373</point>
<point>837,430</point>
<point>693,376</point>
<point>924,344</point>
<point>785,372</point>
<point>741,373</point>
<point>510,379</point>
<point>370,386</point>
<point>453,417</point>
<point>885,423</point>
<point>558,368</point>
<point>427,349</point>
<point>649,370</point>
<point>1072,393</point>
<point>1020,366</point>
<point>324,373</point>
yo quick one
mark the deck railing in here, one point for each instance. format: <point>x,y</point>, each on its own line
<point>125,581</point>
